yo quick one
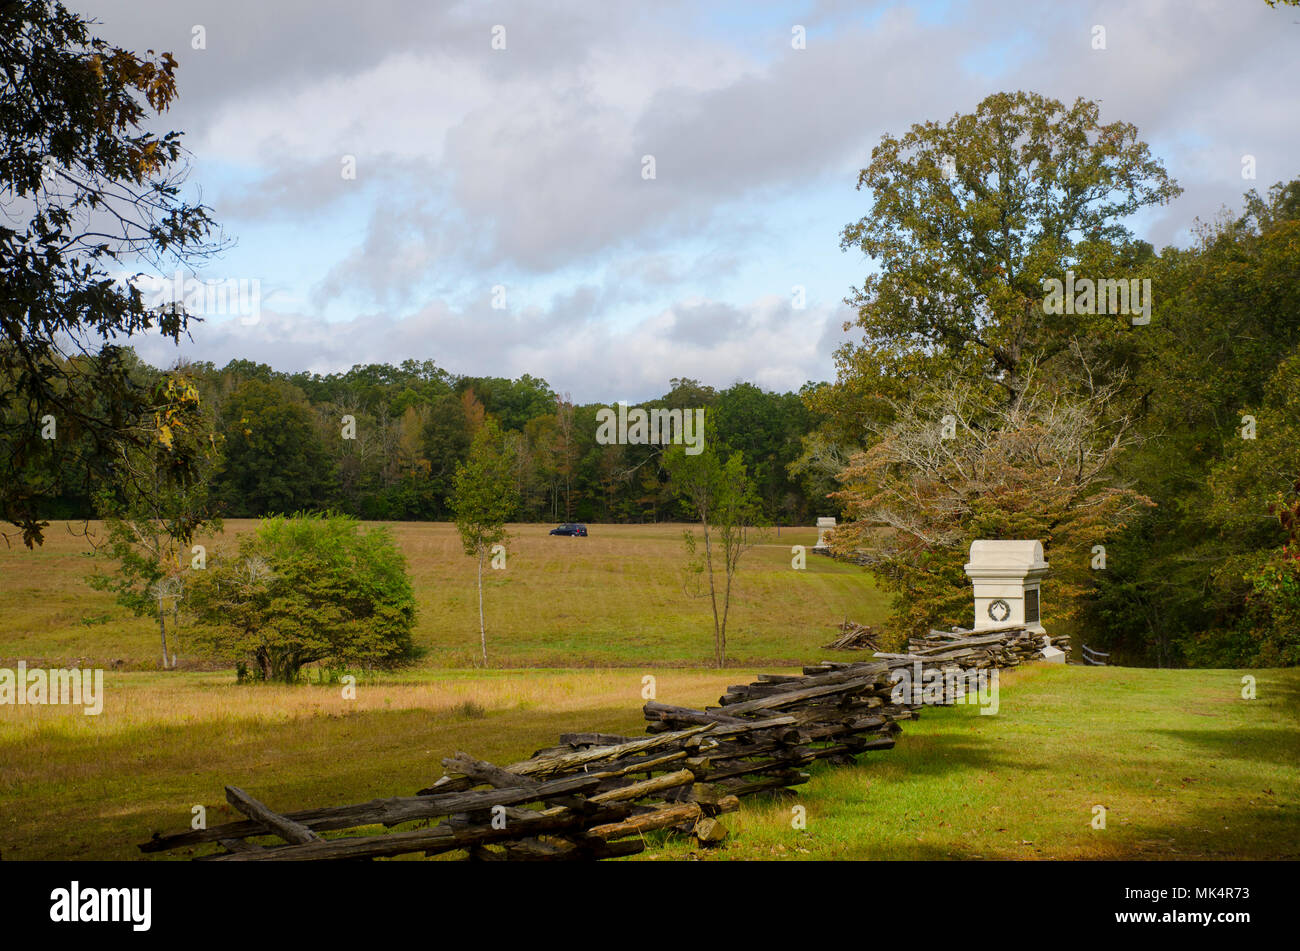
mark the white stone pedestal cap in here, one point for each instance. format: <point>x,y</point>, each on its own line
<point>823,524</point>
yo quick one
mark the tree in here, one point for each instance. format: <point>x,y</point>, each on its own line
<point>445,442</point>
<point>565,449</point>
<point>1255,505</point>
<point>1037,468</point>
<point>512,402</point>
<point>765,427</point>
<point>721,496</point>
<point>306,588</point>
<point>150,521</point>
<point>89,192</point>
<point>1226,322</point>
<point>483,499</point>
<point>1273,604</point>
<point>968,219</point>
<point>275,460</point>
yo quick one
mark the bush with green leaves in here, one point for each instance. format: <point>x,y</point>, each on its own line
<point>304,589</point>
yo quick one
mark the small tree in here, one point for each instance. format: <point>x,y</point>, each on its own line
<point>150,518</point>
<point>483,498</point>
<point>722,497</point>
<point>303,589</point>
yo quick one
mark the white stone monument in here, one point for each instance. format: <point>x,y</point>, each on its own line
<point>824,524</point>
<point>1006,576</point>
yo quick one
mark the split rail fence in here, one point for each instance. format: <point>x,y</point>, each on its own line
<point>595,795</point>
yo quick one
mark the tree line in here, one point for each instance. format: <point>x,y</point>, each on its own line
<point>382,442</point>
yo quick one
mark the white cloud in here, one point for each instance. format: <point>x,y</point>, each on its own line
<point>477,167</point>
<point>765,341</point>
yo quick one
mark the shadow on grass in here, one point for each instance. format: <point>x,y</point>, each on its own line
<point>928,758</point>
<point>1262,744</point>
<point>943,741</point>
<point>1289,688</point>
<point>1261,829</point>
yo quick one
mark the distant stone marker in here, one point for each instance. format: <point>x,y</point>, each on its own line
<point>824,524</point>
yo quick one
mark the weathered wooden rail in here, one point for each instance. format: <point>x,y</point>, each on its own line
<point>854,637</point>
<point>1095,658</point>
<point>595,795</point>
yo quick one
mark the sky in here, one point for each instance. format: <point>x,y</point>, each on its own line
<point>468,182</point>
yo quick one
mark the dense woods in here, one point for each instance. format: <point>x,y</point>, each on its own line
<point>382,442</point>
<point>1151,449</point>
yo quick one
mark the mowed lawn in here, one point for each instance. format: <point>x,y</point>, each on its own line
<point>616,598</point>
<point>1185,767</point>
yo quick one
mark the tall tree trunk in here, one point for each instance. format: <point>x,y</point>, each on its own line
<point>162,630</point>
<point>718,645</point>
<point>176,601</point>
<point>482,628</point>
<point>726,609</point>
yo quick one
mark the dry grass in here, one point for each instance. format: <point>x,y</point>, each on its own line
<point>82,786</point>
<point>1185,767</point>
<point>616,598</point>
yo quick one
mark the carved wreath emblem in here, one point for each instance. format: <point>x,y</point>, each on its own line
<point>999,610</point>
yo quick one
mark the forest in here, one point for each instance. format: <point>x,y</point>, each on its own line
<point>382,442</point>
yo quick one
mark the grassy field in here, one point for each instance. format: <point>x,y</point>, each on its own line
<point>616,598</point>
<point>1184,766</point>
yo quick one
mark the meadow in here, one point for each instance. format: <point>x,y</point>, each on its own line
<point>1184,766</point>
<point>619,597</point>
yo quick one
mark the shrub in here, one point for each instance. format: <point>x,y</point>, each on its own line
<point>303,589</point>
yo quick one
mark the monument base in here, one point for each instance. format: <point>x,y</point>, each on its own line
<point>1053,655</point>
